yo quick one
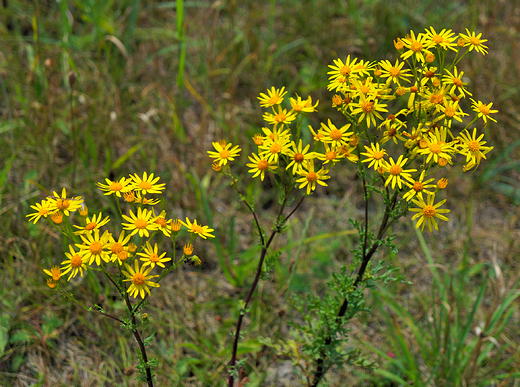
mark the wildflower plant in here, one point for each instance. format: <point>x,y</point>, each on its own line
<point>406,122</point>
<point>133,264</point>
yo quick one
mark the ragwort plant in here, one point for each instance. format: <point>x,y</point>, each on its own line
<point>127,258</point>
<point>405,124</point>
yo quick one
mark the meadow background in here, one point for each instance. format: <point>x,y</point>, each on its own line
<point>157,82</point>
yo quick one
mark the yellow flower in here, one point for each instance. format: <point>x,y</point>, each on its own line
<point>427,212</point>
<point>271,149</point>
<point>149,202</point>
<point>74,264</point>
<point>417,46</point>
<point>342,69</point>
<point>197,229</point>
<point>436,148</point>
<point>188,249</point>
<point>483,111</point>
<point>94,247</point>
<point>140,223</point>
<point>455,79</point>
<point>375,156</point>
<point>332,154</point>
<point>335,136</point>
<point>418,187</point>
<point>260,165</point>
<point>369,109</point>
<point>115,187</point>
<point>298,105</point>
<point>151,257</point>
<point>474,42</point>
<point>224,152</point>
<point>118,247</point>
<point>298,155</point>
<point>279,117</point>
<point>66,205</point>
<point>163,223</point>
<point>394,72</point>
<point>176,226</point>
<point>42,209</point>
<point>140,280</point>
<point>444,39</point>
<point>55,273</point>
<point>92,224</point>
<point>57,217</point>
<point>473,148</point>
<point>397,173</point>
<point>147,184</point>
<point>274,97</point>
<point>311,177</point>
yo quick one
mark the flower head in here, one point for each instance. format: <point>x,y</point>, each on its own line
<point>311,177</point>
<point>92,224</point>
<point>118,247</point>
<point>63,203</point>
<point>224,152</point>
<point>74,264</point>
<point>474,42</point>
<point>141,223</point>
<point>115,187</point>
<point>151,257</point>
<point>55,273</point>
<point>483,111</point>
<point>197,229</point>
<point>260,165</point>
<point>374,156</point>
<point>42,209</point>
<point>140,280</point>
<point>273,97</point>
<point>397,173</point>
<point>427,212</point>
<point>95,247</point>
<point>147,184</point>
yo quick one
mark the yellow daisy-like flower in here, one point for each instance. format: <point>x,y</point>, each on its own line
<point>474,42</point>
<point>417,46</point>
<point>392,133</point>
<point>332,154</point>
<point>444,39</point>
<point>164,225</point>
<point>427,212</point>
<point>375,156</point>
<point>140,280</point>
<point>395,72</point>
<point>147,184</point>
<point>115,187</point>
<point>92,224</point>
<point>94,247</point>
<point>74,264</point>
<point>141,223</point>
<point>483,111</point>
<point>369,110</point>
<point>260,165</point>
<point>342,69</point>
<point>311,177</point>
<point>271,149</point>
<point>279,117</point>
<point>144,200</point>
<point>118,247</point>
<point>303,106</point>
<point>417,187</point>
<point>197,229</point>
<point>151,257</point>
<point>274,97</point>
<point>335,136</point>
<point>64,204</point>
<point>298,155</point>
<point>224,152</point>
<point>397,173</point>
<point>436,148</point>
<point>55,273</point>
<point>473,148</point>
<point>42,209</point>
<point>455,79</point>
<point>450,111</point>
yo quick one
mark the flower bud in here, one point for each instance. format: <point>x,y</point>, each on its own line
<point>442,183</point>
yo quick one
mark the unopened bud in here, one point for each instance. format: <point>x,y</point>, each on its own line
<point>442,183</point>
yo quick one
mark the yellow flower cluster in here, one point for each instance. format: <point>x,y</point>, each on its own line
<point>398,114</point>
<point>100,247</point>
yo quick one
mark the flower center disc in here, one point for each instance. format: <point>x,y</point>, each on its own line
<point>418,186</point>
<point>263,165</point>
<point>96,247</point>
<point>395,170</point>
<point>153,257</point>
<point>145,185</point>
<point>115,186</point>
<point>116,248</point>
<point>224,154</point>
<point>473,146</point>
<point>484,109</point>
<point>435,148</point>
<point>416,46</point>
<point>138,279</point>
<point>161,222</point>
<point>196,228</point>
<point>280,117</point>
<point>428,211</point>
<point>141,223</point>
<point>367,106</point>
<point>91,226</point>
<point>275,148</point>
<point>312,177</point>
<point>75,261</point>
<point>335,134</point>
<point>345,70</point>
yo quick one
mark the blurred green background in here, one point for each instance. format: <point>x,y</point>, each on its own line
<point>157,82</point>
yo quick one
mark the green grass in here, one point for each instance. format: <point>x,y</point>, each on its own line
<point>156,83</point>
